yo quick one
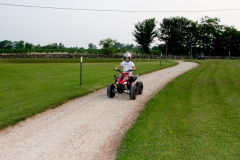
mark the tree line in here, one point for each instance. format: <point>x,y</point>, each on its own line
<point>181,36</point>
<point>22,47</point>
<point>175,35</point>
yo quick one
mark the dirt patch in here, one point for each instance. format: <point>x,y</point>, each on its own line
<point>90,127</point>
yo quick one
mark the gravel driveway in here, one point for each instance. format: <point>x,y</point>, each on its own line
<point>90,127</point>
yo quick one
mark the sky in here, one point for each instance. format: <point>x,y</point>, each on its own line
<point>78,28</point>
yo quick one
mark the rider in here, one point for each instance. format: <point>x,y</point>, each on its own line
<point>126,64</point>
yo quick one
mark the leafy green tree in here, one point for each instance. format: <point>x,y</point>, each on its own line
<point>107,45</point>
<point>192,37</point>
<point>37,46</point>
<point>209,31</point>
<point>28,45</point>
<point>144,33</point>
<point>61,46</point>
<point>130,47</point>
<point>6,44</point>
<point>54,46</point>
<point>51,46</point>
<point>92,46</point>
<point>18,44</point>
<point>231,41</point>
<point>118,45</point>
<point>178,33</point>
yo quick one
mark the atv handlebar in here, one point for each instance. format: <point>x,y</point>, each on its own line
<point>121,71</point>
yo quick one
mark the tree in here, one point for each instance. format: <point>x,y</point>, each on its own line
<point>61,46</point>
<point>18,44</point>
<point>92,46</point>
<point>6,44</point>
<point>230,41</point>
<point>130,47</point>
<point>118,45</point>
<point>51,46</point>
<point>144,33</point>
<point>37,46</point>
<point>28,45</point>
<point>209,33</point>
<point>107,45</point>
<point>178,33</point>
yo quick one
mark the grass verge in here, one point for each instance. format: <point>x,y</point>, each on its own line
<point>30,86</point>
<point>196,116</point>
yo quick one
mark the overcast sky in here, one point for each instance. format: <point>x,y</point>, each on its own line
<point>78,28</point>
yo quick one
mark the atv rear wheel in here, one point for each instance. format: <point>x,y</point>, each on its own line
<point>110,91</point>
<point>132,92</point>
<point>139,86</point>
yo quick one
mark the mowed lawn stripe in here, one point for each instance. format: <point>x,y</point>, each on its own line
<point>196,116</point>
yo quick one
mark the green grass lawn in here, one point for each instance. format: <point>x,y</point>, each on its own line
<point>30,86</point>
<point>196,116</point>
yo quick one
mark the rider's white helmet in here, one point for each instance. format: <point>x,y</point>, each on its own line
<point>127,55</point>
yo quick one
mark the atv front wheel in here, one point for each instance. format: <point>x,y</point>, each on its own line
<point>139,86</point>
<point>111,90</point>
<point>132,92</point>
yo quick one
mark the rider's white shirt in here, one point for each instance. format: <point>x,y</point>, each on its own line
<point>127,65</point>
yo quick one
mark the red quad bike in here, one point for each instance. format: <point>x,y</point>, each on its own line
<point>122,85</point>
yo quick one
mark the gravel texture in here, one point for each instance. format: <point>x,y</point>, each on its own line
<point>90,127</point>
